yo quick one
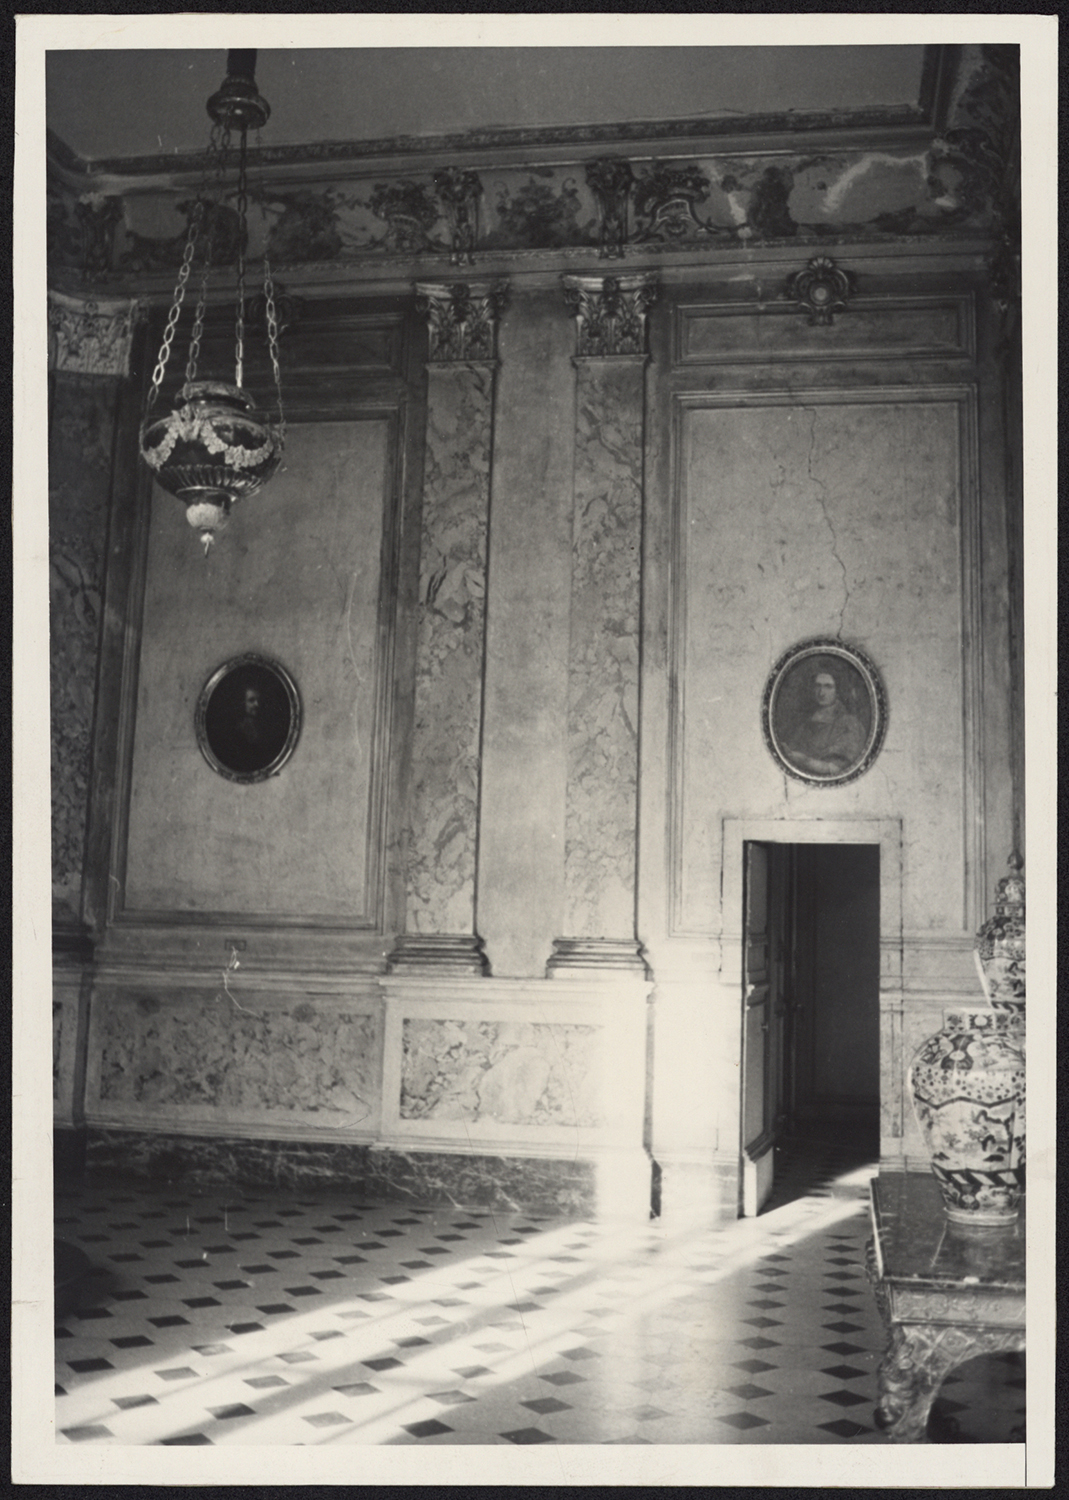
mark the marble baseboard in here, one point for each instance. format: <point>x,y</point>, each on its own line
<point>427,1178</point>
<point>517,1184</point>
<point>211,1160</point>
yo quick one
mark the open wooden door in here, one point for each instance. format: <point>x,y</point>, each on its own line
<point>763,1017</point>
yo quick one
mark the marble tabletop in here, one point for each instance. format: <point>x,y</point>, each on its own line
<point>918,1245</point>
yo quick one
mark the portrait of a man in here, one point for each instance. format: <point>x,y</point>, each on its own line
<point>247,719</point>
<point>823,712</point>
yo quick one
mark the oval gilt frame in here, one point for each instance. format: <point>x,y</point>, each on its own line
<point>248,718</point>
<point>826,732</point>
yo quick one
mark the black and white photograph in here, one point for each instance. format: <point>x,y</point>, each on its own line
<point>533,723</point>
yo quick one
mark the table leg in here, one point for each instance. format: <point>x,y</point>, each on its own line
<point>918,1358</point>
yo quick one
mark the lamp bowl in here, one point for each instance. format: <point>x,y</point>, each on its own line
<point>212,444</point>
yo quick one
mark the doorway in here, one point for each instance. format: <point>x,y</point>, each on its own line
<point>811,987</point>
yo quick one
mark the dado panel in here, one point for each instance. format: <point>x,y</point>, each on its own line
<point>301,576</point>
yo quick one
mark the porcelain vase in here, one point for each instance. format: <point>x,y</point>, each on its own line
<point>968,1080</point>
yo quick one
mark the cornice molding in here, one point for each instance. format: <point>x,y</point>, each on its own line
<point>752,133</point>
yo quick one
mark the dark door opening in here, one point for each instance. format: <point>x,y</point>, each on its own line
<point>811,1037</point>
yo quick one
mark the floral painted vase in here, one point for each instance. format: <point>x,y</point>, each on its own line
<point>968,1080</point>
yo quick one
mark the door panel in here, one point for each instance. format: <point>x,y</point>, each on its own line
<point>762,1021</point>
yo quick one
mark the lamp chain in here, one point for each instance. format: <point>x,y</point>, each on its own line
<point>243,205</point>
<point>176,302</point>
<point>272,343</point>
<point>218,146</point>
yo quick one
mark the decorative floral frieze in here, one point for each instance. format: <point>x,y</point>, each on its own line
<point>81,232</point>
<point>666,201</point>
<point>821,289</point>
<point>460,191</point>
<point>87,337</point>
<point>306,228</point>
<point>220,227</point>
<point>610,312</point>
<point>462,319</point>
<point>610,178</point>
<point>410,212</point>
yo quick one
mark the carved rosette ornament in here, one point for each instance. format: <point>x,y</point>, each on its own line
<point>610,313</point>
<point>462,319</point>
<point>460,191</point>
<point>821,289</point>
<point>610,178</point>
<point>90,337</point>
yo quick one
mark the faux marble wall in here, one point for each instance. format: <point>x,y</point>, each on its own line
<point>79,474</point>
<point>440,845</point>
<point>297,577</point>
<point>524,770</point>
<point>195,1054</point>
<point>508,1072</point>
<point>859,537</point>
<point>603,651</point>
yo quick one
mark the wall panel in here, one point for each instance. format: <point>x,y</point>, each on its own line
<point>297,577</point>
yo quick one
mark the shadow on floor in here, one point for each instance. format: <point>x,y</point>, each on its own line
<point>811,1161</point>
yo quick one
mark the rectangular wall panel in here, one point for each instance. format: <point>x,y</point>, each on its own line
<point>296,577</point>
<point>823,518</point>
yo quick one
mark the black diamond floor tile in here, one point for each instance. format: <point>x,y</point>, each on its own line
<point>430,1428</point>
<point>844,1428</point>
<point>845,1398</point>
<point>743,1420</point>
<point>574,1299</point>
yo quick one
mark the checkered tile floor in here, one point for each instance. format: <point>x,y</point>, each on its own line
<point>218,1317</point>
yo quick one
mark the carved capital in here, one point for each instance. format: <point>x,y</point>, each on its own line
<point>460,190</point>
<point>610,312</point>
<point>610,178</point>
<point>90,337</point>
<point>821,289</point>
<point>462,319</point>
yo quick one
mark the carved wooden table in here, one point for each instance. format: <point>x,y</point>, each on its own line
<point>946,1292</point>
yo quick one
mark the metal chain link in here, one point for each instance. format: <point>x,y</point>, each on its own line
<point>218,146</point>
<point>272,344</point>
<point>239,333</point>
<point>192,237</point>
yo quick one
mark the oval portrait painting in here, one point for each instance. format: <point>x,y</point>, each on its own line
<point>248,718</point>
<point>824,713</point>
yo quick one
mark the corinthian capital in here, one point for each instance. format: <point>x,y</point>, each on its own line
<point>462,319</point>
<point>90,337</point>
<point>610,312</point>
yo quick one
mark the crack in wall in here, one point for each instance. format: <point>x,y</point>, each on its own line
<point>823,501</point>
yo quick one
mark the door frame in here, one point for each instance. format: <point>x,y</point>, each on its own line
<point>736,833</point>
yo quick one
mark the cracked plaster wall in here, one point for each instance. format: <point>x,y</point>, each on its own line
<point>858,538</point>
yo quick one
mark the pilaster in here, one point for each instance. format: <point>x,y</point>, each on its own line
<point>603,655</point>
<point>442,832</point>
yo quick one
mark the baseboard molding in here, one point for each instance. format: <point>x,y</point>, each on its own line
<point>383,1174</point>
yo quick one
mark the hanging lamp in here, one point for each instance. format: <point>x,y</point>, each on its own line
<point>216,446</point>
